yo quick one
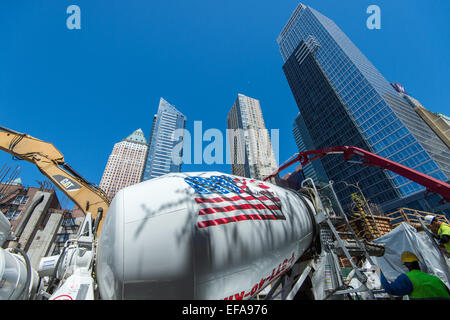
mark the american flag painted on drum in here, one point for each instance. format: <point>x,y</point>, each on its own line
<point>224,199</point>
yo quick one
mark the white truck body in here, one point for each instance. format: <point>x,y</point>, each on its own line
<point>204,235</point>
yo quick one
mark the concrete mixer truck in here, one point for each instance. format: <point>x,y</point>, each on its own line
<point>203,235</point>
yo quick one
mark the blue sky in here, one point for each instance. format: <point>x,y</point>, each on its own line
<point>84,90</point>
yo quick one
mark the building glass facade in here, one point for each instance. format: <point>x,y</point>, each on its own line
<point>314,169</point>
<point>166,138</point>
<point>381,120</point>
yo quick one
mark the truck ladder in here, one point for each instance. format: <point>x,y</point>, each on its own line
<point>325,218</point>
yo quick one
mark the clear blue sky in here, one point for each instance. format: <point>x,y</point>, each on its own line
<point>84,90</point>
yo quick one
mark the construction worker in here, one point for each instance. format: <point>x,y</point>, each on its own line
<point>415,283</point>
<point>440,230</point>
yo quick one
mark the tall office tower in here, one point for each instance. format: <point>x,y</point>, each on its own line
<point>125,164</point>
<point>344,100</point>
<point>251,151</point>
<point>314,169</point>
<point>166,142</point>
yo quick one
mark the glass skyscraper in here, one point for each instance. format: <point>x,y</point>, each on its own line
<point>344,100</point>
<point>166,142</point>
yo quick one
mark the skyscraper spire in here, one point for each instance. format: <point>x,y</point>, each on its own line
<point>137,136</point>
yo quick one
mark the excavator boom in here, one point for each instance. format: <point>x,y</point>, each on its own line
<point>50,162</point>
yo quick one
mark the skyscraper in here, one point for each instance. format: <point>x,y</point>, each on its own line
<point>344,100</point>
<point>166,142</point>
<point>251,151</point>
<point>125,164</point>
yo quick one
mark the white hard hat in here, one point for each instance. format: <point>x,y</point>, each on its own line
<point>429,219</point>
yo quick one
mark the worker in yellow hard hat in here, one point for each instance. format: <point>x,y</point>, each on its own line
<point>441,231</point>
<point>415,283</point>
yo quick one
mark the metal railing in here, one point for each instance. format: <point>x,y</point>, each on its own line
<point>411,216</point>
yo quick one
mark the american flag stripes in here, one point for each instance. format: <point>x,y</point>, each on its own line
<point>224,200</point>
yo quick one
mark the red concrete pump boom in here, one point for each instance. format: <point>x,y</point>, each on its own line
<point>370,159</point>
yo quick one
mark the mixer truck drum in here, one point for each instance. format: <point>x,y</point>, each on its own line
<point>316,246</point>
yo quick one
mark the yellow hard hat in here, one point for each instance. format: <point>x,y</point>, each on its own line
<point>409,257</point>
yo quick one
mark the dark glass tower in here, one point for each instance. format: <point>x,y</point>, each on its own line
<point>344,100</point>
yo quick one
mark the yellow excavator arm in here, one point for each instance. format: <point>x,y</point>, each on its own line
<point>50,162</point>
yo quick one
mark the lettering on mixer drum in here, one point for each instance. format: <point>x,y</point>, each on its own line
<point>257,287</point>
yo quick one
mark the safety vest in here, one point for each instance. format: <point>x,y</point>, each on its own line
<point>426,286</point>
<point>444,229</point>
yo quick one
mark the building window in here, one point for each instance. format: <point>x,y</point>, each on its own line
<point>21,199</point>
<point>12,214</point>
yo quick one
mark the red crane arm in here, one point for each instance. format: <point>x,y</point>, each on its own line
<point>430,183</point>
